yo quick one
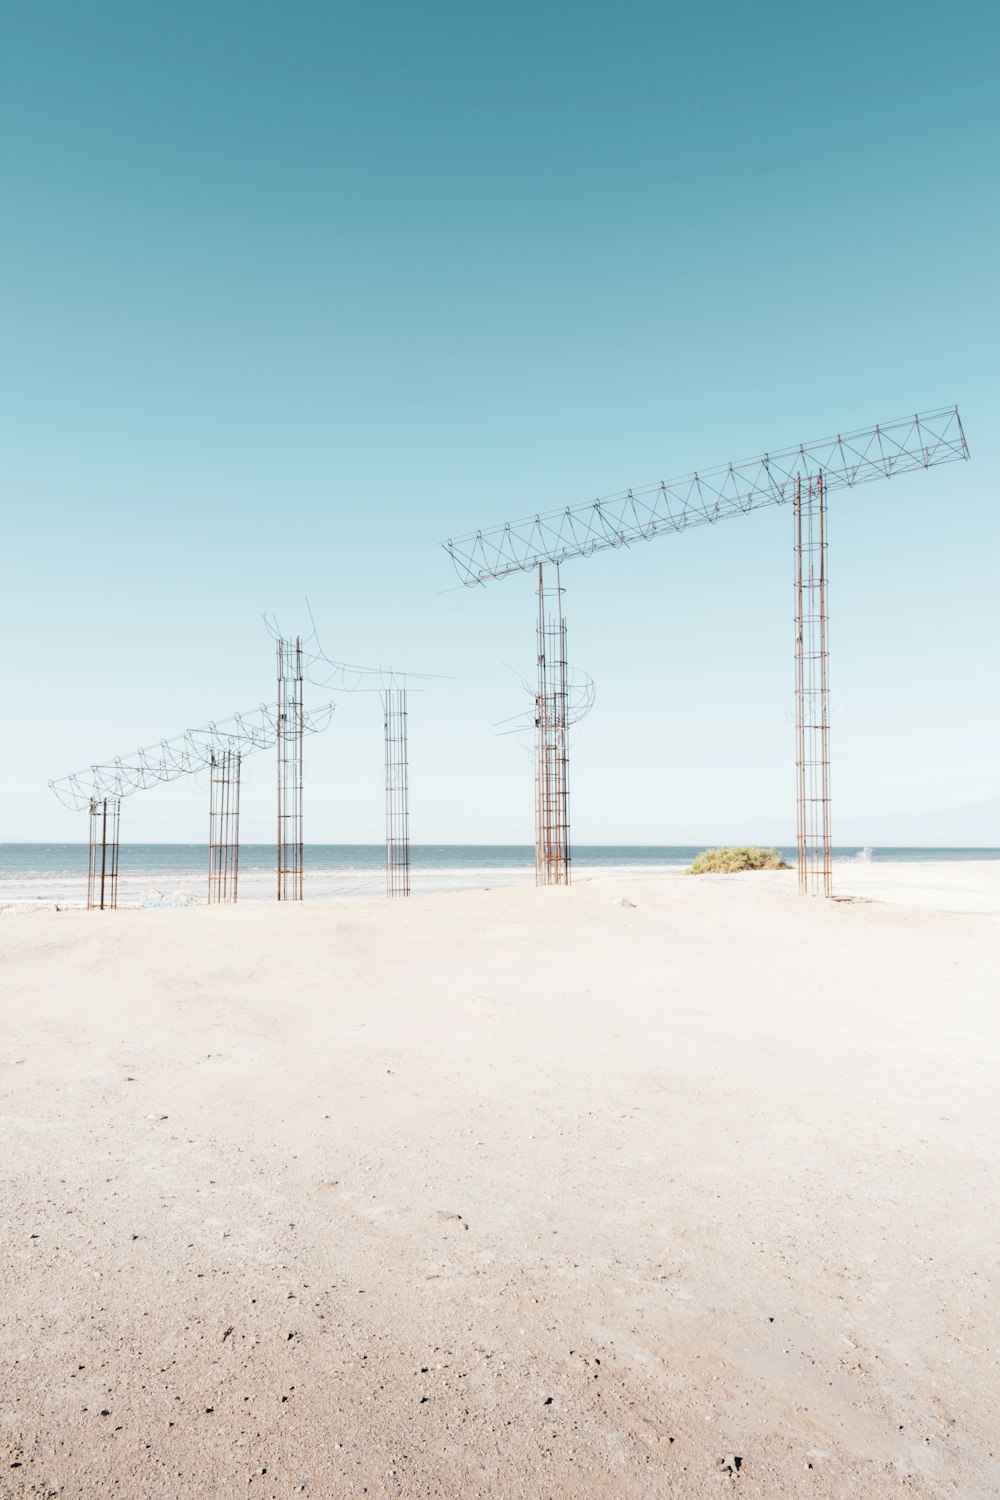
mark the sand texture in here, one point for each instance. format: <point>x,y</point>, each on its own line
<point>510,1193</point>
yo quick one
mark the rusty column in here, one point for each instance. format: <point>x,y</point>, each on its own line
<point>224,827</point>
<point>552,856</point>
<point>812,696</point>
<point>397,793</point>
<point>290,723</point>
<point>102,863</point>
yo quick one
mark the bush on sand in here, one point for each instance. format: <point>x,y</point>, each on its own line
<point>736,857</point>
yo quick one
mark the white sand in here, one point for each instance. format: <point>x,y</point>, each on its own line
<point>971,886</point>
<point>510,1194</point>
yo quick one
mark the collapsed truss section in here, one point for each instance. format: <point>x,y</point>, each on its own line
<point>184,755</point>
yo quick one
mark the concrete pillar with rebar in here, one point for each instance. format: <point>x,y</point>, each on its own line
<point>812,695</point>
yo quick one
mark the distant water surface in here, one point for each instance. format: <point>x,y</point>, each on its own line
<point>176,874</point>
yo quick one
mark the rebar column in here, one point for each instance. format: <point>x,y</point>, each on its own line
<point>552,857</point>
<point>289,742</point>
<point>224,827</point>
<point>102,864</point>
<point>812,696</point>
<point>397,794</point>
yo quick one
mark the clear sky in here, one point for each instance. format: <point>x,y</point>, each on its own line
<point>291,293</point>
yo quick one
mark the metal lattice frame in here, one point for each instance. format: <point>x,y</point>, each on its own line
<point>802,476</point>
<point>102,862</point>
<point>397,793</point>
<point>855,458</point>
<point>552,856</point>
<point>291,724</point>
<point>224,827</point>
<point>184,755</point>
<point>321,670</point>
<point>812,693</point>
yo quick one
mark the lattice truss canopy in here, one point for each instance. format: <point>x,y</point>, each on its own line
<point>182,756</point>
<point>917,442</point>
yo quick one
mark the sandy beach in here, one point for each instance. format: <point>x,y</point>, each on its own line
<point>649,1187</point>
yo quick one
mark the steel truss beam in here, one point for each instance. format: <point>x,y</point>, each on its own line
<point>854,458</point>
<point>184,755</point>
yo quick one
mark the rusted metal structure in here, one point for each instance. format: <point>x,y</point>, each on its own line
<point>224,827</point>
<point>812,691</point>
<point>291,724</point>
<point>560,697</point>
<point>102,862</point>
<point>101,788</point>
<point>801,477</point>
<point>184,755</point>
<point>397,792</point>
<point>306,658</point>
<point>552,853</point>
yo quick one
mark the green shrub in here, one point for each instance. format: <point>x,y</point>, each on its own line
<point>728,861</point>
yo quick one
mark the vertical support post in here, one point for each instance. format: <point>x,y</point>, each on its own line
<point>290,737</point>
<point>102,862</point>
<point>812,696</point>
<point>224,827</point>
<point>397,793</point>
<point>552,856</point>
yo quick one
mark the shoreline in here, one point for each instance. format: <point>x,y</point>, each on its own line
<point>971,885</point>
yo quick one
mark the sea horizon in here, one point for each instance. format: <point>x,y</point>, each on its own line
<point>175,873</point>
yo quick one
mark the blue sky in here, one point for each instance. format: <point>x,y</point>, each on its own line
<point>289,294</point>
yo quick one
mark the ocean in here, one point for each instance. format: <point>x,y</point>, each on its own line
<point>176,874</point>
